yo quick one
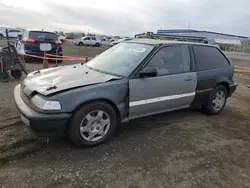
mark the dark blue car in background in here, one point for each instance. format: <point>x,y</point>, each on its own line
<point>30,42</point>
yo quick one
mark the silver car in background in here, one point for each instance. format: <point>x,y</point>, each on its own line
<point>119,41</point>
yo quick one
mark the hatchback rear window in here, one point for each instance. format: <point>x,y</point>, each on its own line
<point>208,58</point>
<point>43,36</point>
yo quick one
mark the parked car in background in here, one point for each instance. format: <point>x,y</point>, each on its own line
<point>133,79</point>
<point>118,41</point>
<point>2,34</point>
<point>12,33</point>
<point>61,38</point>
<point>88,41</point>
<point>31,40</point>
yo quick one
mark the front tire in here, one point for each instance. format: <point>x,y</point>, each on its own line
<point>97,44</point>
<point>92,124</point>
<point>80,44</point>
<point>217,101</point>
<point>1,36</point>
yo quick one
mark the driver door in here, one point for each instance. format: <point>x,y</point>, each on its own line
<point>92,41</point>
<point>173,87</point>
<point>11,33</point>
<point>86,41</point>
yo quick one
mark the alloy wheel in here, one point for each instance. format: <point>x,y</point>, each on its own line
<point>218,100</point>
<point>95,125</point>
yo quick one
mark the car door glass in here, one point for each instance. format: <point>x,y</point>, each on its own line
<point>171,60</point>
<point>87,38</point>
<point>207,58</point>
<point>93,38</point>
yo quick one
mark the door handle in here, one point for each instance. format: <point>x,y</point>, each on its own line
<point>188,79</point>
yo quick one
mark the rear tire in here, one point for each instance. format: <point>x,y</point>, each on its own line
<point>89,128</point>
<point>217,101</point>
<point>1,36</point>
<point>17,74</point>
<point>4,76</point>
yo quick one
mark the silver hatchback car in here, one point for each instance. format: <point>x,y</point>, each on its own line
<point>130,80</point>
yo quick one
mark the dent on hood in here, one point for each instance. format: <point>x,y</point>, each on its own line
<point>58,79</point>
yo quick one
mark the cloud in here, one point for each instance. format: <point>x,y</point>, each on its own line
<point>127,17</point>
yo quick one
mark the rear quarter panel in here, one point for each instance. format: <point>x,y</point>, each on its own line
<point>209,79</point>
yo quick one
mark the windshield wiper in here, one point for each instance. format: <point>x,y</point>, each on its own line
<point>104,72</point>
<point>113,79</point>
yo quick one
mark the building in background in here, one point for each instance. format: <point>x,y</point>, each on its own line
<point>195,36</point>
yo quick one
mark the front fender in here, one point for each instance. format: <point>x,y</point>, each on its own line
<point>115,92</point>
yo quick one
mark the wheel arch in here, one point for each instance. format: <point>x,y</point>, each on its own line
<point>110,102</point>
<point>226,84</point>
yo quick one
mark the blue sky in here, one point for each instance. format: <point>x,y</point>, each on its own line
<point>127,17</point>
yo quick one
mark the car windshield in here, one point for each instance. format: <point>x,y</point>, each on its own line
<point>43,36</point>
<point>121,59</point>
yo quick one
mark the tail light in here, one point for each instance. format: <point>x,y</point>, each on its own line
<point>58,43</point>
<point>29,41</point>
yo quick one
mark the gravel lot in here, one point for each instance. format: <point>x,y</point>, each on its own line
<point>178,149</point>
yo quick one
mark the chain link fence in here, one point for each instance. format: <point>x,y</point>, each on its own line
<point>244,47</point>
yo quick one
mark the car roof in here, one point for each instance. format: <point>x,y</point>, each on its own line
<point>157,42</point>
<point>38,30</point>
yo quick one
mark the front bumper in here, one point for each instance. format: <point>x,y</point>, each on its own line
<point>41,124</point>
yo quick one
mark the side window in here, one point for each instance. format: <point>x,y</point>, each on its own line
<point>10,31</point>
<point>87,38</point>
<point>207,58</point>
<point>171,60</point>
<point>93,38</point>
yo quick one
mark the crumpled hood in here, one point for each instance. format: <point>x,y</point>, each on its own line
<point>52,80</point>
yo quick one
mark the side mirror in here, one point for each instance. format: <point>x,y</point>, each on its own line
<point>19,37</point>
<point>148,72</point>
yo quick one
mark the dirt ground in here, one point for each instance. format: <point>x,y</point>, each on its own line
<point>182,149</point>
